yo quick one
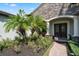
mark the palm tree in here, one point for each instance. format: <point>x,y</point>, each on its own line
<point>18,22</point>
<point>37,24</point>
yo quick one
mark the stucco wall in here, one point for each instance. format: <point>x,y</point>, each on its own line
<point>3,18</point>
<point>72,27</point>
<point>3,34</point>
<point>78,25</point>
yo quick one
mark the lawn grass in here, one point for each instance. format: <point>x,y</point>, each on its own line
<point>48,50</point>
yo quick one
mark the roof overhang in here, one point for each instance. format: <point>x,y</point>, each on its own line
<point>62,16</point>
<point>5,13</point>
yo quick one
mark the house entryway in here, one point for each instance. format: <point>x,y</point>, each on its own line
<point>61,27</point>
<point>60,32</point>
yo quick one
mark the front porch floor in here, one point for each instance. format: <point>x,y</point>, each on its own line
<point>61,40</point>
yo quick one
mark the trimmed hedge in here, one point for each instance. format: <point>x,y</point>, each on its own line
<point>74,47</point>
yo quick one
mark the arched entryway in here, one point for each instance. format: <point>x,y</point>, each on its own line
<point>62,26</point>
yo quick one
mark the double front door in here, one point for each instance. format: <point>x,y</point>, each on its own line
<point>60,30</point>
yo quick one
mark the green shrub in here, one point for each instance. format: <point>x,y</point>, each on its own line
<point>6,43</point>
<point>35,36</point>
<point>14,44</point>
<point>17,49</point>
<point>74,47</point>
<point>18,40</point>
<point>39,43</point>
<point>2,46</point>
<point>44,41</point>
<point>31,45</point>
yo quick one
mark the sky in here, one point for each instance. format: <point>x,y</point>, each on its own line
<point>14,7</point>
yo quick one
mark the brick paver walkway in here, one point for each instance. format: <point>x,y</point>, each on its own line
<point>58,49</point>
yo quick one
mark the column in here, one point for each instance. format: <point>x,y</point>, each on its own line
<point>76,26</point>
<point>48,29</point>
